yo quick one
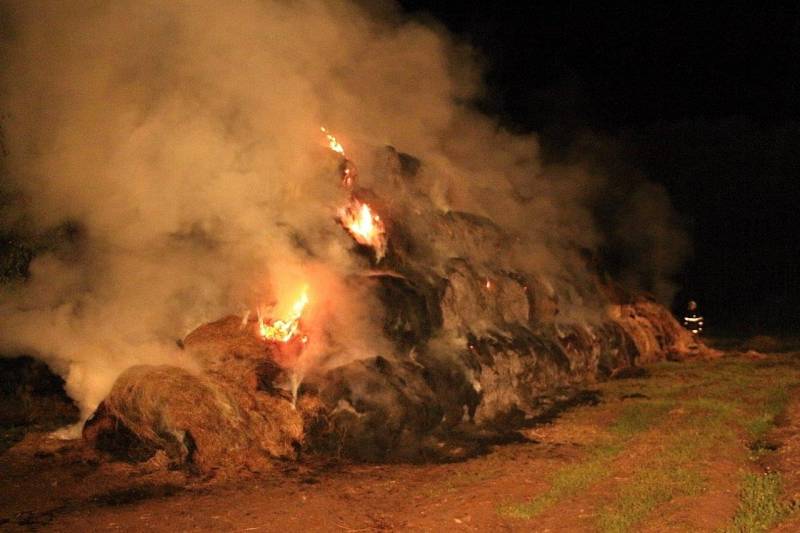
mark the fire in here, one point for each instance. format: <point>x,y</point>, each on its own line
<point>349,174</point>
<point>285,330</point>
<point>333,144</point>
<point>358,219</point>
<point>366,227</point>
<point>347,167</point>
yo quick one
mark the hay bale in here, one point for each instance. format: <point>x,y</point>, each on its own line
<point>204,421</point>
<point>656,333</point>
<point>479,347</point>
<point>229,347</point>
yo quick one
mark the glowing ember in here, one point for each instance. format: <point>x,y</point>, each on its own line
<point>333,144</point>
<point>349,174</point>
<point>366,227</point>
<point>284,330</point>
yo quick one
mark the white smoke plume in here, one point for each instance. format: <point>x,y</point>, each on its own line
<point>182,140</point>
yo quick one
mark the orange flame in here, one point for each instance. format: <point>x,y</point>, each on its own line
<point>333,144</point>
<point>284,330</point>
<point>366,227</point>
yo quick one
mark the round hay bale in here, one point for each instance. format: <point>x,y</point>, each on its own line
<point>204,421</point>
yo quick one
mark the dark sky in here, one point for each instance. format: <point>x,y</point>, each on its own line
<point>703,100</point>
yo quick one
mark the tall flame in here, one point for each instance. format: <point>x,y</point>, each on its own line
<point>285,330</point>
<point>366,227</point>
<point>358,219</point>
<point>333,144</point>
<point>347,167</point>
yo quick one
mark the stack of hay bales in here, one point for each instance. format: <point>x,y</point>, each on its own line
<point>226,415</point>
<point>480,345</point>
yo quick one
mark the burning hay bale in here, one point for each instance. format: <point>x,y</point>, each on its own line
<point>229,415</point>
<point>377,409</point>
<point>477,346</point>
<point>238,411</point>
<point>392,303</point>
<point>199,420</point>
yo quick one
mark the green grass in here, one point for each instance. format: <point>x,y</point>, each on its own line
<point>567,481</point>
<point>648,489</point>
<point>772,406</point>
<point>740,398</point>
<point>575,478</point>
<point>761,505</point>
<point>640,416</point>
<point>669,473</point>
<point>701,411</point>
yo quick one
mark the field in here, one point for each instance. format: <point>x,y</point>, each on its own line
<point>692,446</point>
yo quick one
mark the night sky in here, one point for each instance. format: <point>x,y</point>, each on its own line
<point>702,100</point>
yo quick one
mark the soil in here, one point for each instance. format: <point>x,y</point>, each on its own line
<point>52,485</point>
<point>785,441</point>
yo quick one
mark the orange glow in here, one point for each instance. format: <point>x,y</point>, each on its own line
<point>366,227</point>
<point>284,330</point>
<point>333,144</point>
<point>348,175</point>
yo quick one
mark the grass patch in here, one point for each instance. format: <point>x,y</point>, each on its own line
<point>640,416</point>
<point>567,481</point>
<point>736,397</point>
<point>773,405</point>
<point>761,505</point>
<point>669,474</point>
<point>708,408</point>
<point>647,490</point>
<point>570,480</point>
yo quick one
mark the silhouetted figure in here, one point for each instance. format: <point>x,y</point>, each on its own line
<point>691,320</point>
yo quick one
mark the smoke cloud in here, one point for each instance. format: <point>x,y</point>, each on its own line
<point>180,142</point>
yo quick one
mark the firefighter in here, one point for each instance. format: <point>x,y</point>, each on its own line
<point>691,320</point>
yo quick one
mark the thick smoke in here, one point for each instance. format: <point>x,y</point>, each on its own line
<point>181,143</point>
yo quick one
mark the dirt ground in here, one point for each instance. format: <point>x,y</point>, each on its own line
<point>700,446</point>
